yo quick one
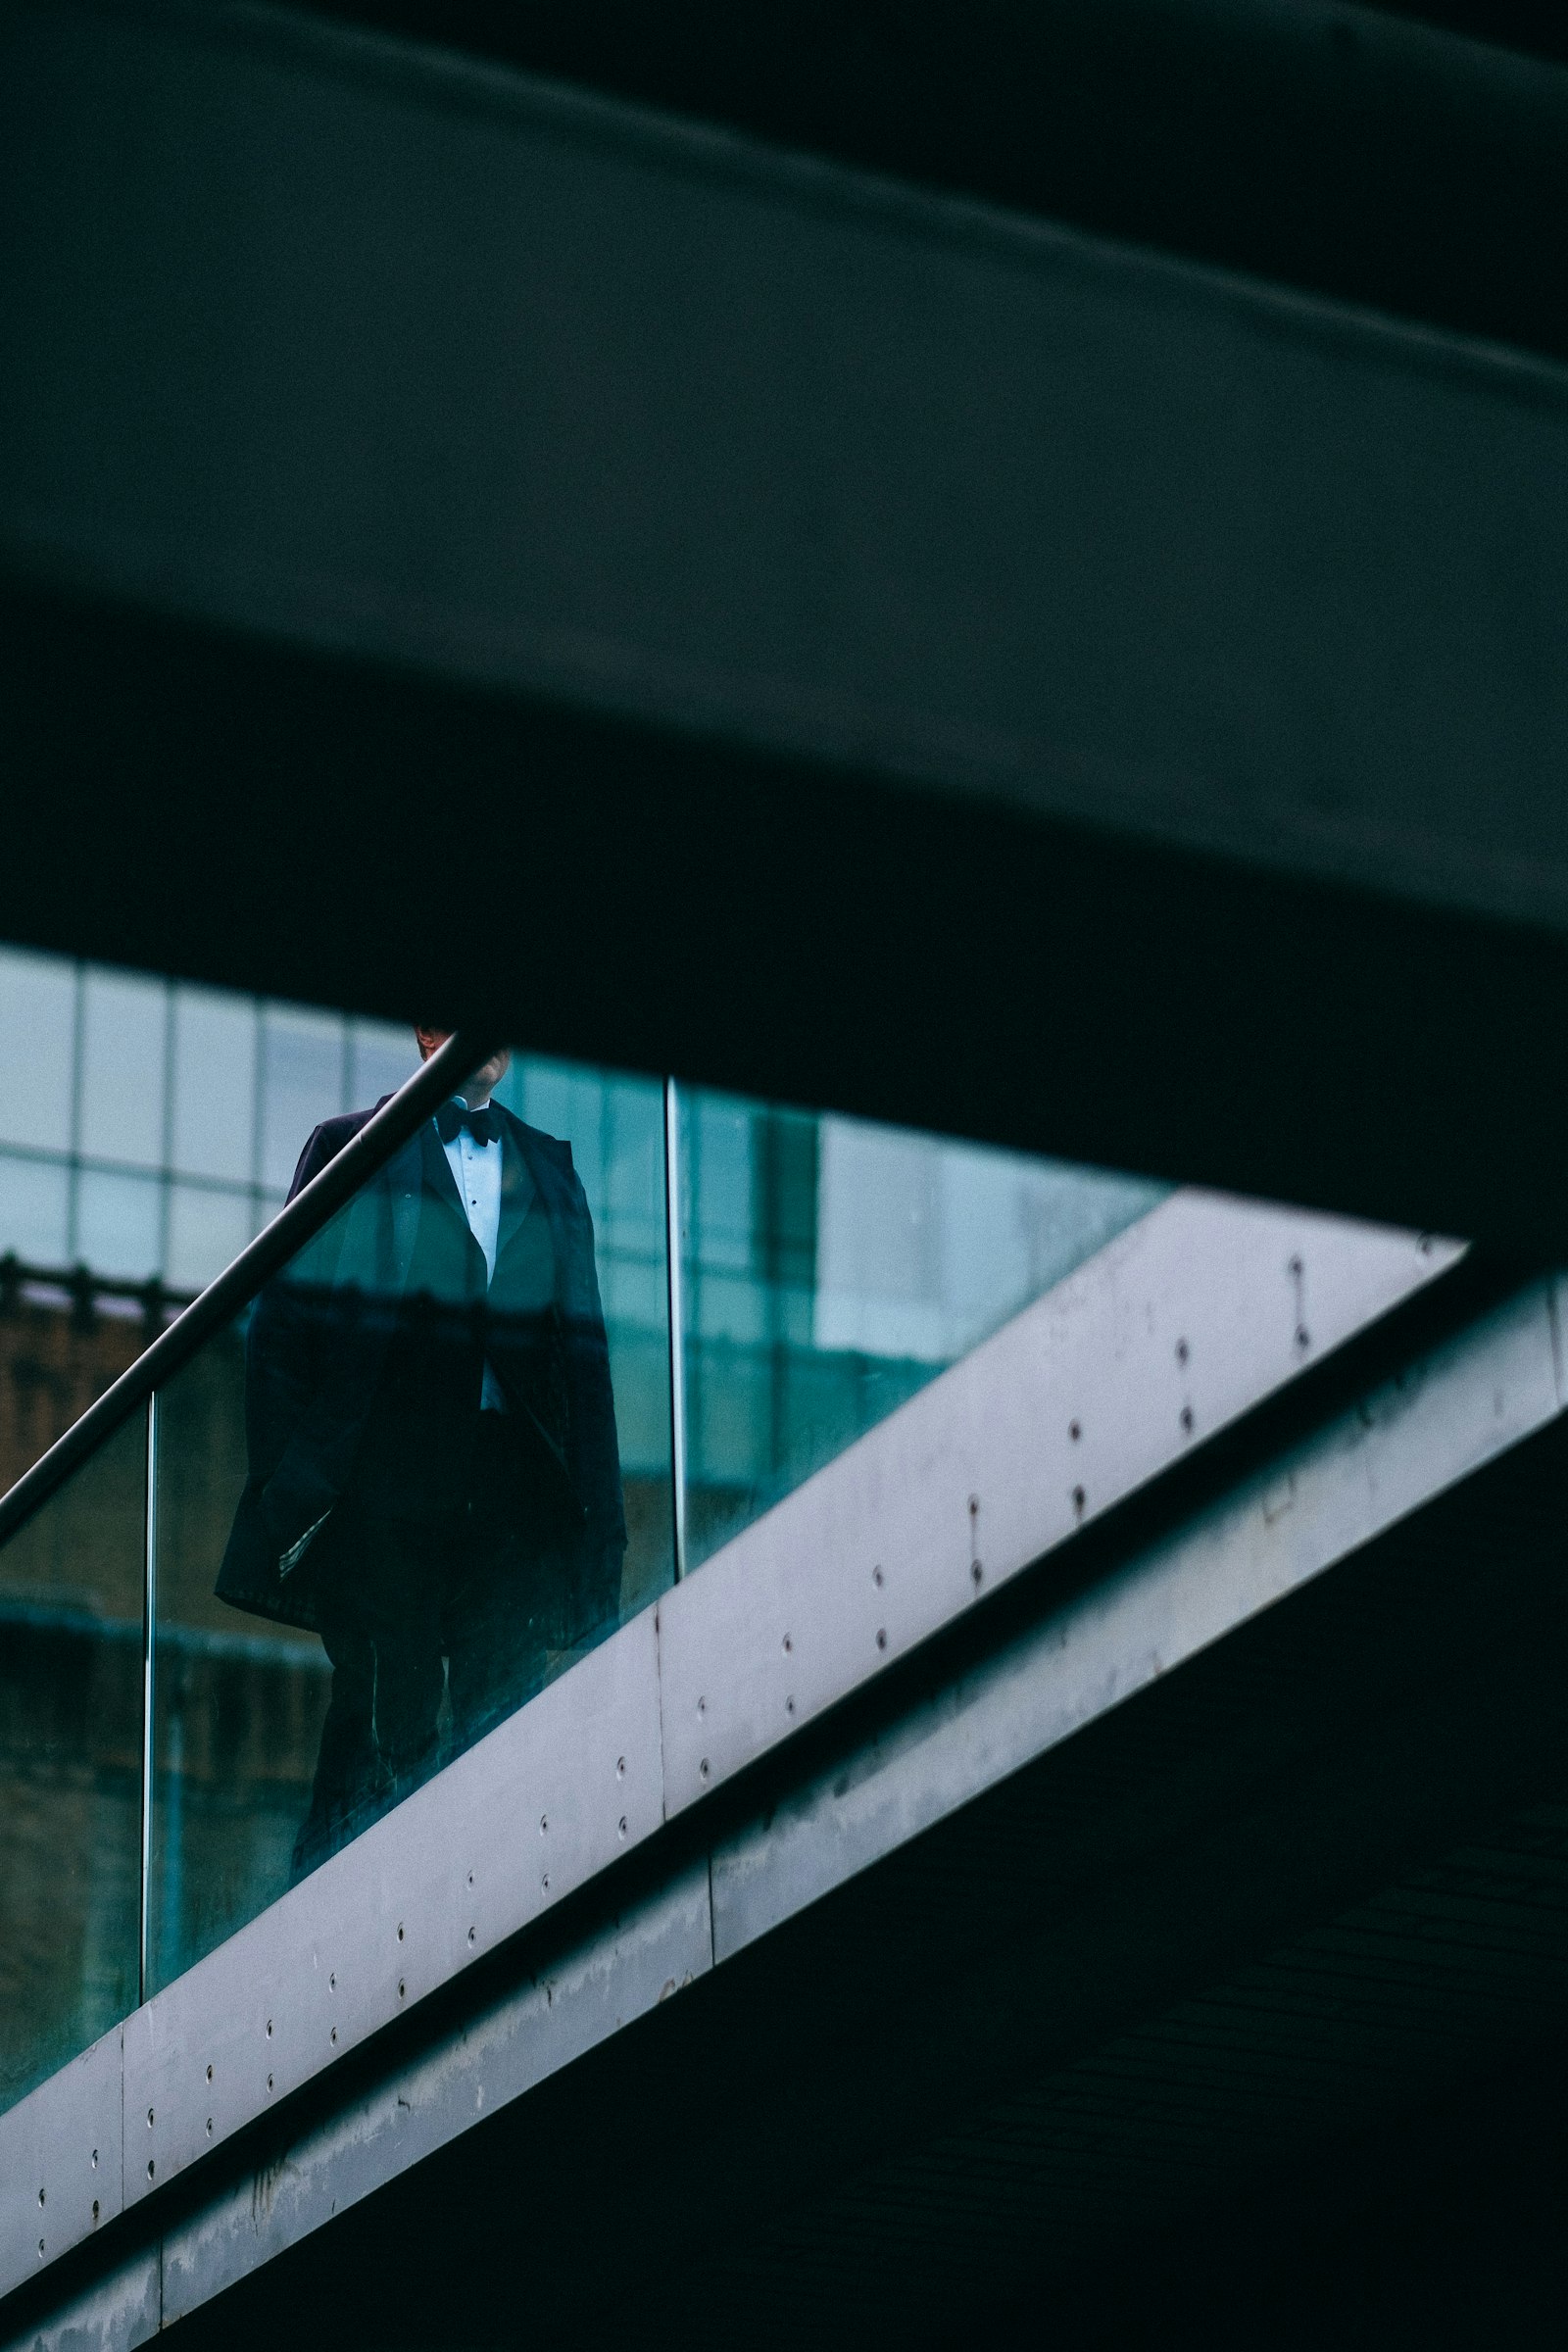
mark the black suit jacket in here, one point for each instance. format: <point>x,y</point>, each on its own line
<point>363,1364</point>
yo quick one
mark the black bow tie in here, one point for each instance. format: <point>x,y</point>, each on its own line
<point>484,1125</point>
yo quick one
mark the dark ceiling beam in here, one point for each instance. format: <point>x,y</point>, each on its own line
<point>1412,156</point>
<point>850,644</point>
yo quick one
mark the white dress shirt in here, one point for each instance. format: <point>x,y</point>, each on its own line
<point>477,1171</point>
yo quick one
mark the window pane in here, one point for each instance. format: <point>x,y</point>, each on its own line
<point>206,1230</point>
<point>34,1201</point>
<point>123,1046</point>
<point>215,1084</point>
<point>302,1084</point>
<point>38,1031</point>
<point>380,1058</point>
<point>118,1221</point>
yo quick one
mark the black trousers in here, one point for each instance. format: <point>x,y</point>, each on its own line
<point>470,1607</point>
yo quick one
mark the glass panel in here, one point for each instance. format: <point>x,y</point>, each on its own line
<point>70,1632</point>
<point>120,1224</point>
<point>239,1701</point>
<point>34,1210</point>
<point>38,1048</point>
<point>125,1053</point>
<point>213,1127</point>
<point>426,1472</point>
<point>61,1345</point>
<point>615,1128</point>
<point>833,1267</point>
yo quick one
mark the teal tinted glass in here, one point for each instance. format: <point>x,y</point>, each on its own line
<point>426,1471</point>
<point>613,1126</point>
<point>71,1738</point>
<point>238,1701</point>
<point>831,1267</point>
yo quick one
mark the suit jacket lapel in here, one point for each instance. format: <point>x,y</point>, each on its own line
<point>520,1186</point>
<point>522,1191</point>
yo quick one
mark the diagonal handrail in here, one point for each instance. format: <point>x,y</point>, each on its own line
<point>294,1225</point>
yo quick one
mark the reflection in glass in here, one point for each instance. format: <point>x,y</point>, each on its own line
<point>833,1267</point>
<point>37,1034</point>
<point>124,1055</point>
<point>71,1672</point>
<point>425,1473</point>
<point>120,1224</point>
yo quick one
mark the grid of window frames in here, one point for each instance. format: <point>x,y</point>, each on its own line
<point>149,1128</point>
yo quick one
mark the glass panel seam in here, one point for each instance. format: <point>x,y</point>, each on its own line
<point>148,1645</point>
<point>678,1341</point>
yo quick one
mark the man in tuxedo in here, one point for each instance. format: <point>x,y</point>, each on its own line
<point>434,1481</point>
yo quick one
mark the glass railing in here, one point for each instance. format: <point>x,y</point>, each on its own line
<point>71,1763</point>
<point>411,1483</point>
<point>830,1268</point>
<point>419,1448</point>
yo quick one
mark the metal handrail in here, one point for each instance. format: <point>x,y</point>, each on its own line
<point>211,1310</point>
